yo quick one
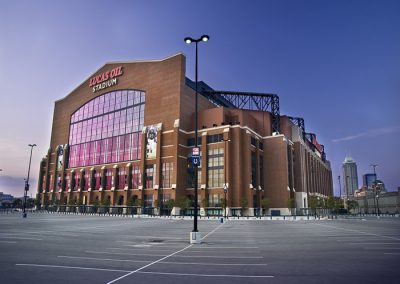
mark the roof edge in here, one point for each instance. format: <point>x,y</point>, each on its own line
<point>119,62</point>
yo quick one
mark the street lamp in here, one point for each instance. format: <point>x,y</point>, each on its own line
<point>27,181</point>
<point>340,191</point>
<point>195,236</point>
<point>377,201</point>
<point>347,193</point>
<point>226,188</point>
<point>374,187</point>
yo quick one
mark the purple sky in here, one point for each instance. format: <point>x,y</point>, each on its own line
<point>334,63</point>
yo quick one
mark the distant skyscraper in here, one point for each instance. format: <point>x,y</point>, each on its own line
<point>350,178</point>
<point>368,180</point>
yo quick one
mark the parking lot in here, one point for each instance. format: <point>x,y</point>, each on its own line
<point>56,248</point>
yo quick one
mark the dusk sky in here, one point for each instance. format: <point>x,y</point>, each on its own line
<point>334,63</point>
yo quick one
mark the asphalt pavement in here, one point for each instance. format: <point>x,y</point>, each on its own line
<point>57,248</point>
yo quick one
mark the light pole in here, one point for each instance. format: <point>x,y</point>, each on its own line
<point>377,201</point>
<point>347,194</point>
<point>226,188</point>
<point>340,191</point>
<point>195,236</point>
<point>374,187</point>
<point>27,181</point>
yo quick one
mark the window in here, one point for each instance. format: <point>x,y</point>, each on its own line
<point>253,141</point>
<point>166,175</point>
<point>150,177</point>
<point>215,138</point>
<point>191,141</point>
<point>290,165</point>
<point>86,181</point>
<point>136,176</point>
<point>215,167</point>
<point>51,183</point>
<point>215,200</point>
<point>97,178</point>
<point>107,129</point>
<point>108,178</point>
<point>261,145</point>
<point>121,178</point>
<point>76,181</point>
<point>261,172</point>
<point>253,169</point>
<point>68,181</point>
<point>148,200</point>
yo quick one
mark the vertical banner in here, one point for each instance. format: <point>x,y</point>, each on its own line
<point>60,156</point>
<point>151,142</point>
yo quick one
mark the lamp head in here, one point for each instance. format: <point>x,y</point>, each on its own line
<point>188,40</point>
<point>205,38</point>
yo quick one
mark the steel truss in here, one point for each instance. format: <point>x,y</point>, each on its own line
<point>248,101</point>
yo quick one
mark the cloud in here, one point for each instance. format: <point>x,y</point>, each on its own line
<point>368,133</point>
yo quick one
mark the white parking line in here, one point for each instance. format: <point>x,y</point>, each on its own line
<point>395,253</point>
<point>101,259</point>
<point>357,231</point>
<point>7,242</point>
<point>386,248</point>
<point>20,238</point>
<point>121,253</point>
<point>210,247</point>
<point>219,257</point>
<point>370,243</point>
<point>214,264</point>
<point>161,259</point>
<point>207,275</point>
<point>143,267</point>
<point>142,249</point>
<point>163,262</point>
<point>70,267</point>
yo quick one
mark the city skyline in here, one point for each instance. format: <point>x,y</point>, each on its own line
<point>335,64</point>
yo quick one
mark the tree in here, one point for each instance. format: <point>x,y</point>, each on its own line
<point>205,203</point>
<point>157,203</point>
<point>352,204</point>
<point>95,205</point>
<point>17,203</point>
<point>224,202</point>
<point>265,203</point>
<point>313,203</point>
<point>330,203</point>
<point>291,203</point>
<point>170,204</point>
<point>184,203</point>
<point>244,205</point>
<point>37,203</point>
<point>138,204</point>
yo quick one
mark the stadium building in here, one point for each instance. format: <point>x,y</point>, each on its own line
<point>125,137</point>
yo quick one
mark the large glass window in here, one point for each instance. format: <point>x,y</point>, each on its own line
<point>107,129</point>
<point>150,176</point>
<point>166,175</point>
<point>121,178</point>
<point>215,167</point>
<point>215,200</point>
<point>136,176</point>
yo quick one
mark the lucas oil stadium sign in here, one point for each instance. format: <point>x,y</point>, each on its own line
<point>105,80</point>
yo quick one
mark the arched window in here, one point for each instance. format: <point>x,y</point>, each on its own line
<point>107,129</point>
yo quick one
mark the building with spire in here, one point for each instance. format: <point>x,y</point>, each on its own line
<point>350,178</point>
